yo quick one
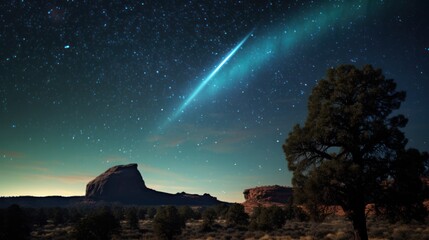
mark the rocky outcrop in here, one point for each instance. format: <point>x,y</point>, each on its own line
<point>117,183</point>
<point>124,184</point>
<point>266,196</point>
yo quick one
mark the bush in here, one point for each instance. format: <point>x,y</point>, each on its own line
<point>209,217</point>
<point>186,213</point>
<point>141,213</point>
<point>267,219</point>
<point>14,225</point>
<point>297,213</point>
<point>168,223</point>
<point>59,215</point>
<point>277,216</point>
<point>40,217</point>
<point>74,215</point>
<point>132,218</point>
<point>101,226</point>
<point>236,216</point>
<point>118,212</point>
<point>151,212</point>
<point>221,210</point>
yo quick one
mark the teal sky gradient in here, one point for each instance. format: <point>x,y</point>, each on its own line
<point>94,87</point>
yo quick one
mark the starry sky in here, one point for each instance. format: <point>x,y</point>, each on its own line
<point>201,94</point>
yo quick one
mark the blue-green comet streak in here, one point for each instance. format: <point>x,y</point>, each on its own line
<point>208,78</point>
<point>281,40</point>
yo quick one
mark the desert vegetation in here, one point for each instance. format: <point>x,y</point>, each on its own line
<point>183,222</point>
<point>351,150</point>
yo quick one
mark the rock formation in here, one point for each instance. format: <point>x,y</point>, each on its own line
<point>118,182</point>
<point>124,184</point>
<point>266,196</point>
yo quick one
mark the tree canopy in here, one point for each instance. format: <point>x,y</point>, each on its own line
<point>98,225</point>
<point>236,216</point>
<point>168,223</point>
<point>346,151</point>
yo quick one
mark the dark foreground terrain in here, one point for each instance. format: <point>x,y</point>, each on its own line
<point>183,222</point>
<point>334,229</point>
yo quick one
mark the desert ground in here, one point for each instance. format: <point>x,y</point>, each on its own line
<point>332,228</point>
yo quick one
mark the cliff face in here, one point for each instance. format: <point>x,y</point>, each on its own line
<point>119,182</point>
<point>266,196</point>
<point>124,184</point>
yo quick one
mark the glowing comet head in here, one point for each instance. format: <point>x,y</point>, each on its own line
<point>207,79</point>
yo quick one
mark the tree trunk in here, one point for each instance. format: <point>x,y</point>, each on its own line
<point>359,223</point>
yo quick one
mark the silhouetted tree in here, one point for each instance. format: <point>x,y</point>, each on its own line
<point>344,152</point>
<point>2,223</point>
<point>168,223</point>
<point>118,212</point>
<point>186,213</point>
<point>99,225</point>
<point>236,216</point>
<point>221,210</point>
<point>151,212</point>
<point>131,217</point>
<point>14,225</point>
<point>198,213</point>
<point>405,194</point>
<point>141,213</point>
<point>40,217</point>
<point>74,215</point>
<point>277,217</point>
<point>267,219</point>
<point>294,211</point>
<point>60,215</point>
<point>426,165</point>
<point>256,217</point>
<point>209,216</point>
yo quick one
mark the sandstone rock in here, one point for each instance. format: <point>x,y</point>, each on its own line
<point>124,184</point>
<point>117,183</point>
<point>266,196</point>
<point>278,194</point>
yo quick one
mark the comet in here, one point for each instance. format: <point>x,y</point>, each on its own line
<point>208,78</point>
<point>278,41</point>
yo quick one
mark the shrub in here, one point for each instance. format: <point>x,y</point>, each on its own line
<point>168,223</point>
<point>236,216</point>
<point>60,215</point>
<point>277,216</point>
<point>209,217</point>
<point>131,217</point>
<point>118,212</point>
<point>14,225</point>
<point>297,213</point>
<point>101,225</point>
<point>267,219</point>
<point>74,215</point>
<point>186,213</point>
<point>40,217</point>
<point>221,210</point>
<point>151,212</point>
<point>141,213</point>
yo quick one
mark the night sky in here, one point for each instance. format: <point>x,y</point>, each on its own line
<point>201,94</point>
